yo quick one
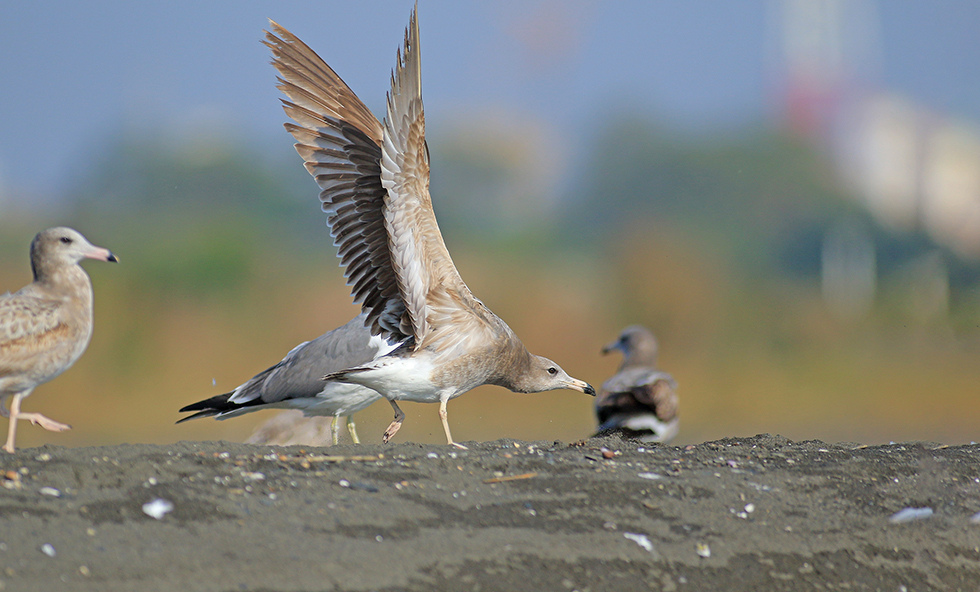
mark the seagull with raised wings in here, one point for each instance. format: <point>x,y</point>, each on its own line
<point>374,181</point>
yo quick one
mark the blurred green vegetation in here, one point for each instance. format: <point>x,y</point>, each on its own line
<point>712,242</point>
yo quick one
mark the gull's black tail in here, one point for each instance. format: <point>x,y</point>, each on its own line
<point>218,405</point>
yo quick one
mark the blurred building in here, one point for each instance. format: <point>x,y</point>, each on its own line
<point>913,169</point>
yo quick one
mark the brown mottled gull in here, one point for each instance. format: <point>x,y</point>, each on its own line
<point>297,382</point>
<point>639,400</point>
<point>374,181</point>
<point>292,428</point>
<point>46,325</point>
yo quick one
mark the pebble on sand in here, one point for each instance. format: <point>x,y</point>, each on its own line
<point>158,508</point>
<point>910,514</point>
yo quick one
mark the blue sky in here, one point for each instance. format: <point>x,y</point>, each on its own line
<point>76,73</point>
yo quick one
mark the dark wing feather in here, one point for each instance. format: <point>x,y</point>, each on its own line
<point>340,141</point>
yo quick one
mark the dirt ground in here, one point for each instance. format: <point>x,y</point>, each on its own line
<point>759,513</point>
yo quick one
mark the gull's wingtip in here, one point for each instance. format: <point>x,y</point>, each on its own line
<point>278,33</point>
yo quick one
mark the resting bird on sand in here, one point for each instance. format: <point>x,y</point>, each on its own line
<point>639,400</point>
<point>374,182</point>
<point>297,381</point>
<point>292,428</point>
<point>46,325</point>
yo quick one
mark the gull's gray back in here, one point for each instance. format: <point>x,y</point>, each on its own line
<point>300,373</point>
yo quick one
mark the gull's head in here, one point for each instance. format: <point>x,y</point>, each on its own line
<point>60,247</point>
<point>638,345</point>
<point>544,375</point>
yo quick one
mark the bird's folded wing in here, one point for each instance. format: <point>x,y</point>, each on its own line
<point>639,389</point>
<point>28,325</point>
<point>300,373</point>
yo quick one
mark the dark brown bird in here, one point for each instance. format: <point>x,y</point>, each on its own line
<point>639,401</point>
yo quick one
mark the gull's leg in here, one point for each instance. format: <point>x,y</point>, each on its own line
<point>444,416</point>
<point>12,425</point>
<point>396,424</point>
<point>35,418</point>
<point>45,422</point>
<point>352,429</point>
<point>333,430</point>
<point>3,406</point>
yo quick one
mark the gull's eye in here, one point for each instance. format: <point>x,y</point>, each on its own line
<point>552,371</point>
<point>66,240</point>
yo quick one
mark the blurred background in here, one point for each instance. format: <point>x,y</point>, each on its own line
<point>786,192</point>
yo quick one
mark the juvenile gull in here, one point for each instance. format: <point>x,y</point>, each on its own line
<point>46,325</point>
<point>374,182</point>
<point>297,381</point>
<point>639,400</point>
<point>292,428</point>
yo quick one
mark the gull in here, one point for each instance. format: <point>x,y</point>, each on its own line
<point>374,181</point>
<point>638,400</point>
<point>297,381</point>
<point>292,428</point>
<point>46,325</point>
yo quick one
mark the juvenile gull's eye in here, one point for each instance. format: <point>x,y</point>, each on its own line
<point>552,371</point>
<point>66,240</point>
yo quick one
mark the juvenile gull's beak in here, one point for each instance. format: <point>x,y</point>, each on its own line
<point>102,255</point>
<point>580,385</point>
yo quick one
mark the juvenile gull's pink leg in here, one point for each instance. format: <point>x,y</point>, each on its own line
<point>45,422</point>
<point>12,423</point>
<point>396,424</point>
<point>34,418</point>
